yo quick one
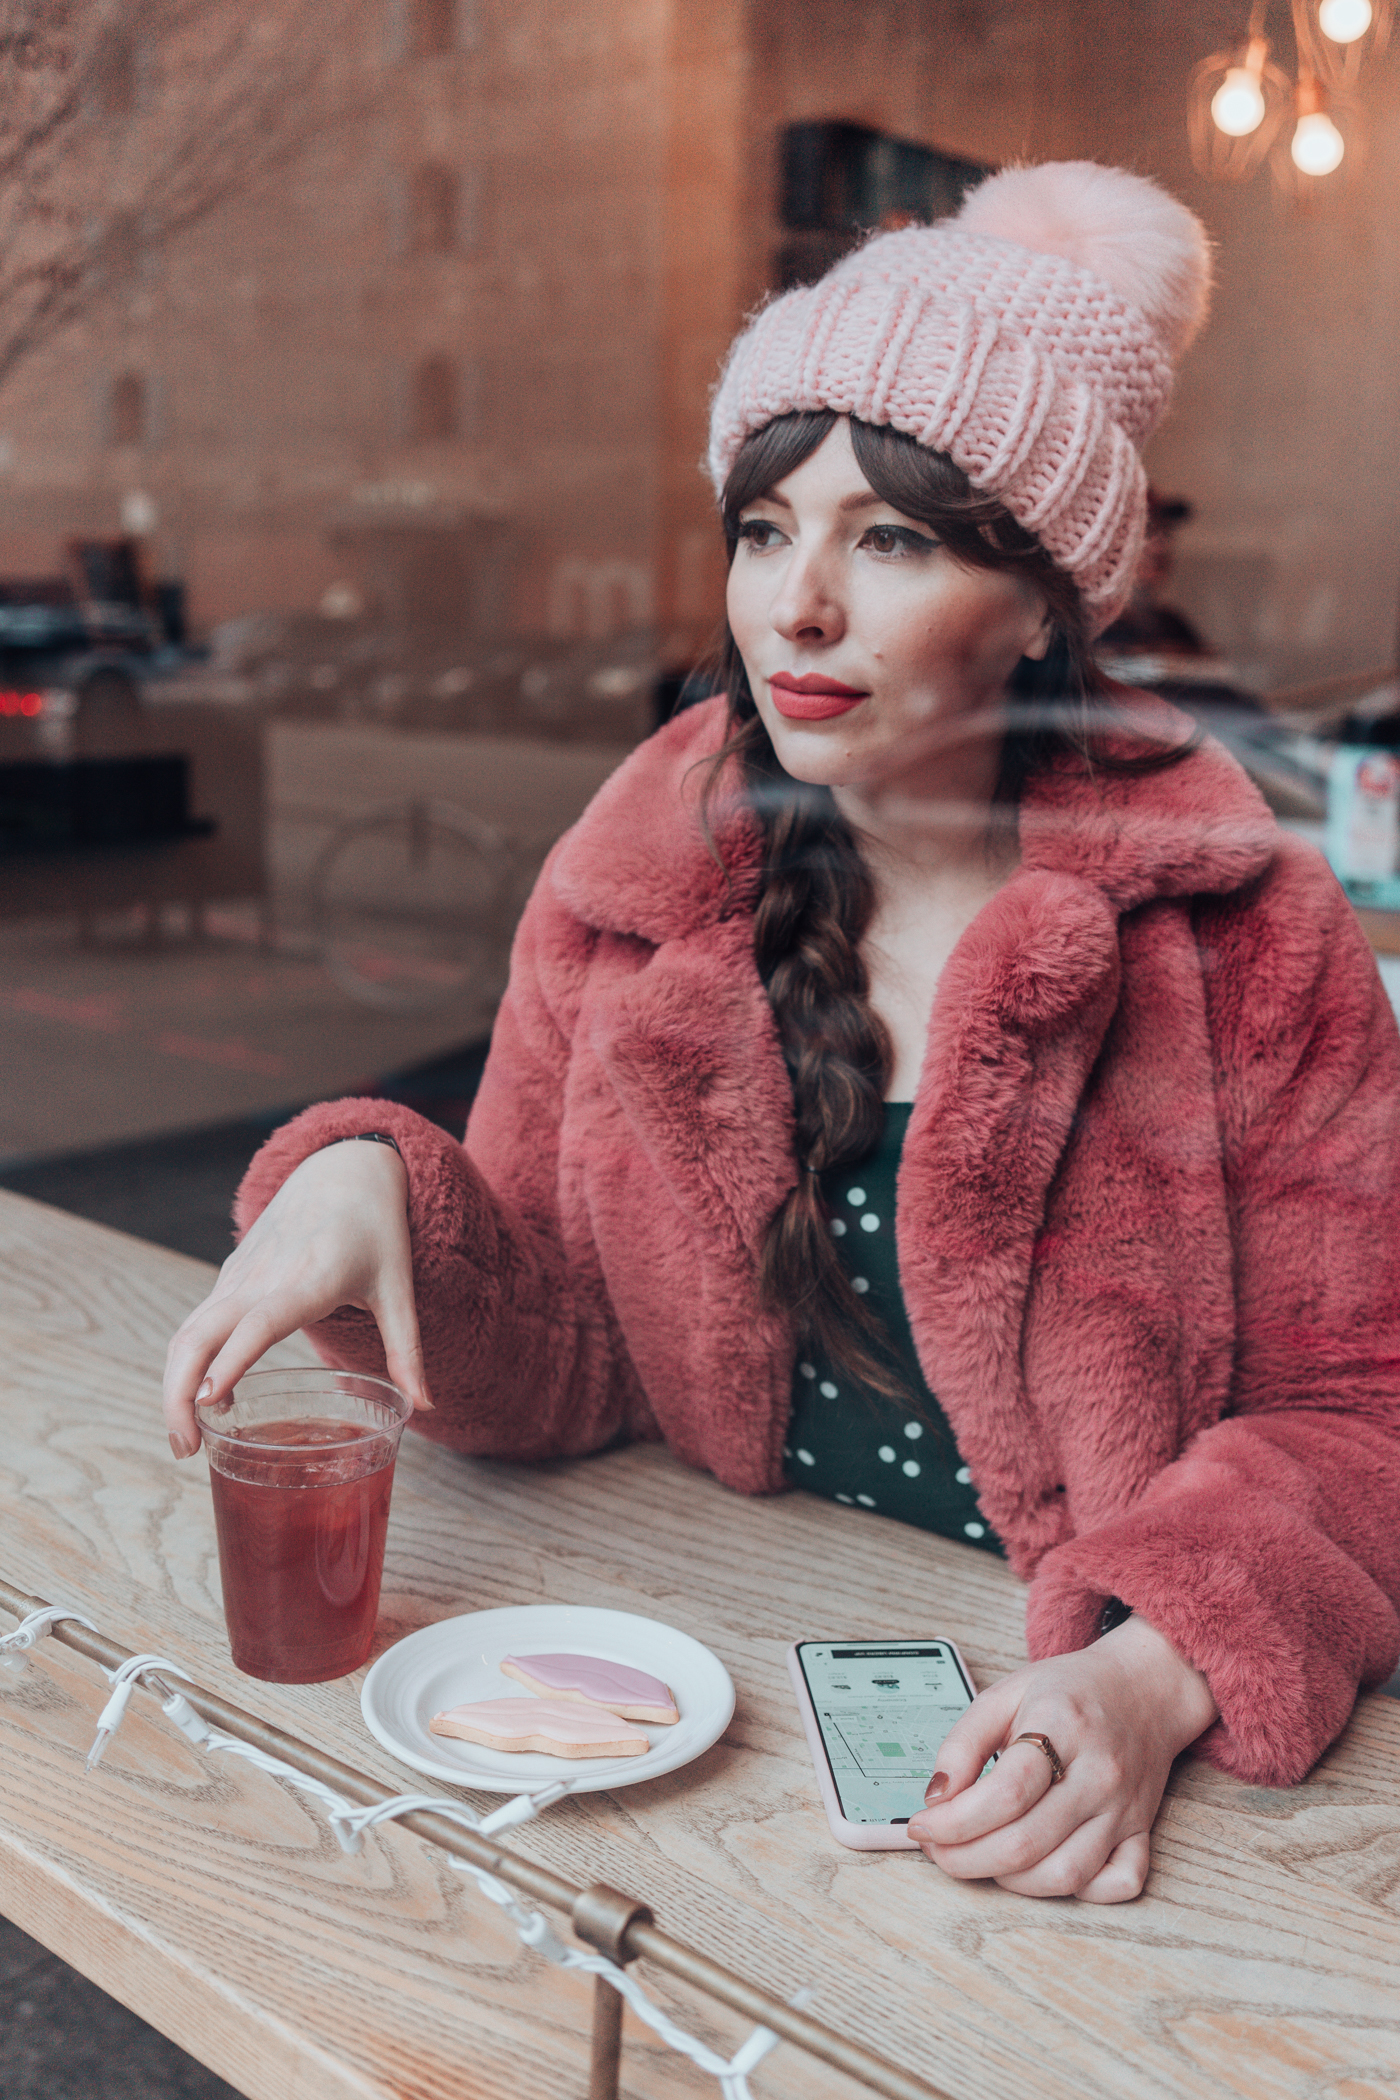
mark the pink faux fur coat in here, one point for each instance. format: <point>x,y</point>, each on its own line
<point>1149,1214</point>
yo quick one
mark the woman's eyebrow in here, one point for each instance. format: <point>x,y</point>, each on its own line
<point>867,500</point>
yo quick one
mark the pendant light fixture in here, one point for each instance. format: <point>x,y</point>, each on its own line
<point>1349,34</point>
<point>1244,109</point>
<point>1239,101</point>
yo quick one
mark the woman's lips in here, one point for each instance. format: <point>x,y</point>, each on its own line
<point>813,698</point>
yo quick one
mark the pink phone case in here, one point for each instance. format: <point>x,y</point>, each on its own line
<point>861,1837</point>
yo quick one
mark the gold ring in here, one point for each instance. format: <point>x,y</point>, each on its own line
<point>1043,1742</point>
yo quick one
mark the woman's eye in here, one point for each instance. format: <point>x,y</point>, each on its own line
<point>758,532</point>
<point>897,539</point>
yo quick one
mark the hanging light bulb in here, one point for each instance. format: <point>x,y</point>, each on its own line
<point>1328,130</point>
<point>1343,21</point>
<point>1239,100</point>
<point>1317,145</point>
<point>1340,38</point>
<point>1237,106</point>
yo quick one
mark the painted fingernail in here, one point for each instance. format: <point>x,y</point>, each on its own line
<point>936,1786</point>
<point>180,1447</point>
<point>205,1390</point>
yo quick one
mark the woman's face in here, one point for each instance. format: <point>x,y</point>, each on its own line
<point>873,658</point>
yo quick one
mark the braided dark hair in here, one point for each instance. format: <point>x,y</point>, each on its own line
<point>817,894</point>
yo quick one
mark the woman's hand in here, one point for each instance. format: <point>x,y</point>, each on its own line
<point>336,1233</point>
<point>1117,1713</point>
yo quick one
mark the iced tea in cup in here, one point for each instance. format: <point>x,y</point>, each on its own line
<point>301,1464</point>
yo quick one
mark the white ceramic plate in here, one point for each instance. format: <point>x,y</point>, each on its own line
<point>459,1659</point>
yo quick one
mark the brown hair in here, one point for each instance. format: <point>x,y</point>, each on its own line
<point>817,894</point>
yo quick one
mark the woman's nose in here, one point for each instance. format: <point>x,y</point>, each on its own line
<point>807,606</point>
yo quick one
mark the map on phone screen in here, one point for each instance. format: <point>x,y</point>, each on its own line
<point>883,1711</point>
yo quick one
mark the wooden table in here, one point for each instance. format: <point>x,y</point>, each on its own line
<point>1263,1960</point>
<point>1381,928</point>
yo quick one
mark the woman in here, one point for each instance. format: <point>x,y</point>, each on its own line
<point>917,896</point>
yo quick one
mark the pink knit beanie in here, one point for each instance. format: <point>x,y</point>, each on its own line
<point>1032,338</point>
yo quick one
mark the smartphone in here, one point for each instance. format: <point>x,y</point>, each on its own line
<point>875,1715</point>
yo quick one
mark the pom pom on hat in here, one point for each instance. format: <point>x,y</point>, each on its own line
<point>1122,227</point>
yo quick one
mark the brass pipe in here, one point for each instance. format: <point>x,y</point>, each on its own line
<point>605,2060</point>
<point>640,1939</point>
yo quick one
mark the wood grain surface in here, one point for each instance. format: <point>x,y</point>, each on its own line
<point>1263,1960</point>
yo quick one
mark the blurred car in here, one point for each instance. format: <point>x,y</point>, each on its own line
<point>79,664</point>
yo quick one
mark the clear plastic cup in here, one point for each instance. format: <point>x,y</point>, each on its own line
<point>301,1464</point>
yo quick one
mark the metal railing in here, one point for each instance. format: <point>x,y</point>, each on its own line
<point>621,1927</point>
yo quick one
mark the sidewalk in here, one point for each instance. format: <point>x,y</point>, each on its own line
<point>177,1189</point>
<point>120,1041</point>
<point>61,2038</point>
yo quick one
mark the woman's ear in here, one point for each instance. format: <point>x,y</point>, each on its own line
<point>1038,646</point>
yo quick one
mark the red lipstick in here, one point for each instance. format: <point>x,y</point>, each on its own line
<point>813,698</point>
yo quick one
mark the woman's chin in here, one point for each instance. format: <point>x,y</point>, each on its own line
<point>858,752</point>
<point>803,759</point>
<point>833,756</point>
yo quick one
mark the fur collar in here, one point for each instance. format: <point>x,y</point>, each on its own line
<point>637,863</point>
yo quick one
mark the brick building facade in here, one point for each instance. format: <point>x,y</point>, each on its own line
<point>457,354</point>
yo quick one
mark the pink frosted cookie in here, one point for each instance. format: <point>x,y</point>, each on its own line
<point>547,1725</point>
<point>593,1682</point>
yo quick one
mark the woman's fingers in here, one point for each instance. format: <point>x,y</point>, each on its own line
<point>1060,1847</point>
<point>1089,1865</point>
<point>261,1297</point>
<point>395,1310</point>
<point>187,1362</point>
<point>969,1797</point>
<point>978,1735</point>
<point>1123,1874</point>
<point>286,1277</point>
<point>396,1315</point>
<point>1017,1840</point>
<point>1068,1867</point>
<point>221,1341</point>
<point>261,1327</point>
<point>1018,1780</point>
<point>336,1233</point>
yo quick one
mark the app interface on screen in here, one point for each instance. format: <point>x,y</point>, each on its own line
<point>884,1712</point>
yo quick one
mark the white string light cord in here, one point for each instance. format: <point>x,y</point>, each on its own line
<point>535,1930</point>
<point>13,1645</point>
<point>350,1824</point>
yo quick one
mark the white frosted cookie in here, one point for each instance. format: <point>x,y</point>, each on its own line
<point>556,1728</point>
<point>591,1680</point>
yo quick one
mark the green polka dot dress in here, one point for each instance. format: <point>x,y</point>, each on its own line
<point>857,1446</point>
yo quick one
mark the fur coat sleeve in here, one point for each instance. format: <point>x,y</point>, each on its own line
<point>523,1353</point>
<point>1268,1551</point>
